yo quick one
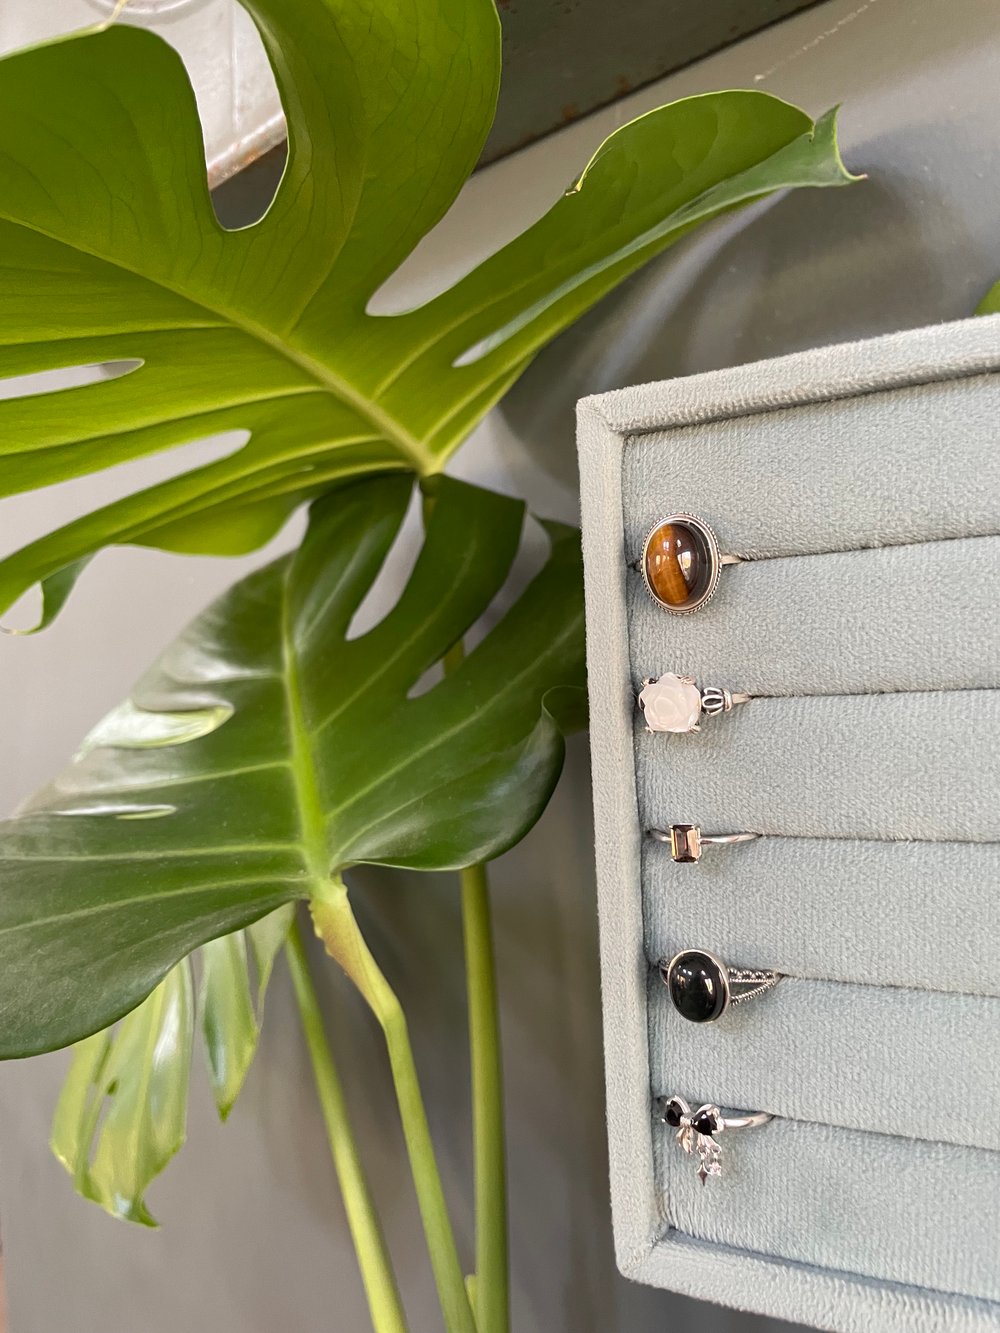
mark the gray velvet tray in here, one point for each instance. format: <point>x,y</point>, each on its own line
<point>861,484</point>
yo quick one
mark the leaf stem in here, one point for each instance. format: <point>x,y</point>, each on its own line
<point>373,1258</point>
<point>337,927</point>
<point>492,1298</point>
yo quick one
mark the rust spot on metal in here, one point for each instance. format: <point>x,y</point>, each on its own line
<point>264,145</point>
<point>623,84</point>
<point>570,112</point>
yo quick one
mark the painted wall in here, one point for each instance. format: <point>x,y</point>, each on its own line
<point>253,1237</point>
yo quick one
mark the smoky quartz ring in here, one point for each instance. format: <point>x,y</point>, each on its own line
<point>687,840</point>
<point>697,1131</point>
<point>676,703</point>
<point>702,987</point>
<point>681,563</point>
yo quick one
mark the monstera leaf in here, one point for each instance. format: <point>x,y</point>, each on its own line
<point>268,749</point>
<point>112,253</point>
<point>122,1114</point>
<point>990,304</point>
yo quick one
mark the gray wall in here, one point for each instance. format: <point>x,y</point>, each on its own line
<point>253,1237</point>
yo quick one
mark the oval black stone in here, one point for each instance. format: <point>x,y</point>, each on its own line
<point>697,985</point>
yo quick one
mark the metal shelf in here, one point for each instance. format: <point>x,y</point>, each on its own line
<point>562,58</point>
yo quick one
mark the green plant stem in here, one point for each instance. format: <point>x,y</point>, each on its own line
<point>489,1288</point>
<point>373,1257</point>
<point>492,1298</point>
<point>336,926</point>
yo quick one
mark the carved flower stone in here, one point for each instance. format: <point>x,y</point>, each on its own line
<point>672,703</point>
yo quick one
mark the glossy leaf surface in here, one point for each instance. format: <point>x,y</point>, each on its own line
<point>122,1113</point>
<point>269,749</point>
<point>123,1110</point>
<point>229,1011</point>
<point>112,252</point>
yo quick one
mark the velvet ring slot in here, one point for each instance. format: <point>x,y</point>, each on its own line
<point>861,628</point>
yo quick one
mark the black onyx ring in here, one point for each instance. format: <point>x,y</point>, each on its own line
<point>681,563</point>
<point>697,1130</point>
<point>702,987</point>
<point>675,703</point>
<point>686,840</point>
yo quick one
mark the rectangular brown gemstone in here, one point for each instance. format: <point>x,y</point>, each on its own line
<point>685,842</point>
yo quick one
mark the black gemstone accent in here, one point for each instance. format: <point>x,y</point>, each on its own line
<point>673,1114</point>
<point>697,985</point>
<point>705,1123</point>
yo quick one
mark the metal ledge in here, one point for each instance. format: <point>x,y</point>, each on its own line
<point>562,58</point>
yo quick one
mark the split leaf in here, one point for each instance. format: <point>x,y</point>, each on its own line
<point>113,253</point>
<point>268,749</point>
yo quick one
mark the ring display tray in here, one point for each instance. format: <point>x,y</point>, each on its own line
<point>860,485</point>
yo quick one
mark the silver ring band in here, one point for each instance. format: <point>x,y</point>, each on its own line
<point>725,558</point>
<point>686,840</point>
<point>756,979</point>
<point>729,837</point>
<point>676,703</point>
<point>747,1121</point>
<point>702,987</point>
<point>697,1129</point>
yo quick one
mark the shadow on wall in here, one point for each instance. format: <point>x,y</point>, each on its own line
<point>805,270</point>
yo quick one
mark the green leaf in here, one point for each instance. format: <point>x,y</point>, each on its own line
<point>55,593</point>
<point>79,1109</point>
<point>990,304</point>
<point>123,1111</point>
<point>228,1021</point>
<point>266,938</point>
<point>141,1069</point>
<point>112,252</point>
<point>229,1015</point>
<point>268,749</point>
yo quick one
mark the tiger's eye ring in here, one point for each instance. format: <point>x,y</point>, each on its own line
<point>681,563</point>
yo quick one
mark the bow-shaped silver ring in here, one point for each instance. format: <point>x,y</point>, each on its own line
<point>697,1130</point>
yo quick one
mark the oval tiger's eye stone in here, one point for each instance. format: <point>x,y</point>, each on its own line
<point>679,565</point>
<point>697,986</point>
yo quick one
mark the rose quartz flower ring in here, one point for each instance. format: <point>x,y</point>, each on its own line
<point>675,703</point>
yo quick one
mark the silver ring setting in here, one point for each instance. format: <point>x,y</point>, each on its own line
<point>702,987</point>
<point>676,703</point>
<point>687,840</point>
<point>681,562</point>
<point>698,1130</point>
